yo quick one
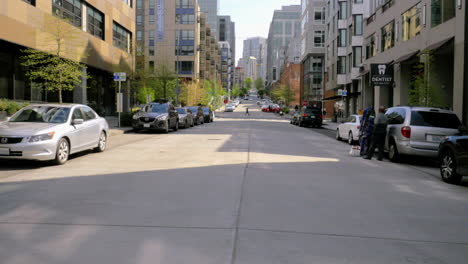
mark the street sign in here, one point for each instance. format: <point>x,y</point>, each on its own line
<point>119,102</point>
<point>120,76</point>
<point>340,92</point>
<point>225,101</point>
<point>345,93</point>
<point>381,74</point>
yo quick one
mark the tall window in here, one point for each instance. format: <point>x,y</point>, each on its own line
<point>95,22</point>
<point>69,10</point>
<point>185,67</point>
<point>121,37</point>
<point>411,22</point>
<point>357,24</point>
<point>151,3</point>
<point>388,36</point>
<point>441,11</point>
<point>151,19</point>
<point>341,65</point>
<point>319,38</point>
<point>371,47</point>
<point>185,4</point>
<point>319,15</point>
<point>139,4</point>
<point>186,19</point>
<point>342,38</point>
<point>288,28</point>
<point>185,35</point>
<point>151,50</point>
<point>357,56</point>
<point>139,20</point>
<point>185,51</point>
<point>343,11</point>
<point>139,35</point>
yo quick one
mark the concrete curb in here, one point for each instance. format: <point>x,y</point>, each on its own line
<point>119,131</point>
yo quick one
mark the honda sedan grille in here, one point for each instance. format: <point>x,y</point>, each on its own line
<point>10,140</point>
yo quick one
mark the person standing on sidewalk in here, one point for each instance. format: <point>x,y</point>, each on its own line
<point>379,135</point>
<point>247,112</point>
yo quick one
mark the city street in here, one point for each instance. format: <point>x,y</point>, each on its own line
<point>244,190</point>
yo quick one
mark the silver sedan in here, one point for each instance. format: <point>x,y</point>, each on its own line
<point>52,132</point>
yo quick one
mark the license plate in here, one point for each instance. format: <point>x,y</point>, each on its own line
<point>146,125</point>
<point>434,138</point>
<point>4,152</point>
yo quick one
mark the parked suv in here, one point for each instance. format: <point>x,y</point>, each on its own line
<point>310,116</point>
<point>418,130</point>
<point>453,157</point>
<point>156,116</point>
<point>198,117</point>
<point>208,114</point>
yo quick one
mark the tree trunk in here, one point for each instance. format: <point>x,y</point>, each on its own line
<point>60,95</point>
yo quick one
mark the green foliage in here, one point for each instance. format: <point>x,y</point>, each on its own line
<point>58,73</point>
<point>10,107</point>
<point>259,84</point>
<point>283,93</point>
<point>236,91</point>
<point>285,110</point>
<point>423,91</point>
<point>244,91</point>
<point>248,83</point>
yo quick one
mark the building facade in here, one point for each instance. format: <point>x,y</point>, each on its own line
<point>210,8</point>
<point>257,47</point>
<point>286,23</point>
<point>313,43</point>
<point>101,37</point>
<point>227,33</point>
<point>227,70</point>
<point>210,53</point>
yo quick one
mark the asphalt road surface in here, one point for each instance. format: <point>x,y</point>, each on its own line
<point>244,190</point>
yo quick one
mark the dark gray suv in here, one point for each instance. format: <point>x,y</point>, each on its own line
<point>156,116</point>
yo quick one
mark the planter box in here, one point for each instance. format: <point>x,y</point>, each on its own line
<point>3,116</point>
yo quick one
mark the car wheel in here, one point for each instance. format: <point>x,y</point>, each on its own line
<point>301,124</point>
<point>393,153</point>
<point>63,152</point>
<point>337,136</point>
<point>166,130</point>
<point>350,138</point>
<point>102,145</point>
<point>136,130</point>
<point>448,168</point>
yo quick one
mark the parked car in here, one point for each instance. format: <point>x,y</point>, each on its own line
<point>265,108</point>
<point>349,129</point>
<point>198,116</point>
<point>310,116</point>
<point>52,132</point>
<point>230,108</point>
<point>185,117</point>
<point>156,116</point>
<point>418,130</point>
<point>453,157</point>
<point>208,114</point>
<point>295,117</point>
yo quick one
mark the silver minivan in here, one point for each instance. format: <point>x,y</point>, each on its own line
<point>418,131</point>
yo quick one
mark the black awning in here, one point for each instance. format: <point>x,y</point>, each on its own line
<point>332,98</point>
<point>406,57</point>
<point>437,45</point>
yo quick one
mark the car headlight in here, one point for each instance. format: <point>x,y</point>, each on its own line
<point>42,137</point>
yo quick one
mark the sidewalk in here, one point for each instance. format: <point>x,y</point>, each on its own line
<point>114,129</point>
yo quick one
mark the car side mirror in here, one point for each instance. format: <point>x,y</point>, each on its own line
<point>77,122</point>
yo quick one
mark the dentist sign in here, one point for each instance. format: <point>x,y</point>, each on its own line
<point>381,74</point>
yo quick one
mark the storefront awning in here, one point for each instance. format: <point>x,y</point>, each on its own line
<point>406,57</point>
<point>437,45</point>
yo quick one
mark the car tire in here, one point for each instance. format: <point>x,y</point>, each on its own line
<point>448,168</point>
<point>337,136</point>
<point>166,130</point>
<point>63,152</point>
<point>136,130</point>
<point>393,153</point>
<point>301,124</point>
<point>350,138</point>
<point>102,144</point>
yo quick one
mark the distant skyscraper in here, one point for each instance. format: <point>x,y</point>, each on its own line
<point>256,47</point>
<point>210,7</point>
<point>227,32</point>
<point>285,25</point>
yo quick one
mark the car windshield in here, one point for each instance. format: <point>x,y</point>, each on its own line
<point>181,110</point>
<point>158,108</point>
<point>434,119</point>
<point>312,111</point>
<point>206,110</point>
<point>42,114</point>
<point>193,109</point>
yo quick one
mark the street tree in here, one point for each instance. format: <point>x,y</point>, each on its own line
<point>58,62</point>
<point>165,78</point>
<point>259,84</point>
<point>284,93</point>
<point>236,90</point>
<point>248,83</point>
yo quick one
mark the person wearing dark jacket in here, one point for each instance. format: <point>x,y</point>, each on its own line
<point>378,136</point>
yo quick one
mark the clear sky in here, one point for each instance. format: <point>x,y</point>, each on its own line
<point>252,17</point>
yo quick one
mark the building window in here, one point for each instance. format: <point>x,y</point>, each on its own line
<point>151,35</point>
<point>151,19</point>
<point>343,11</point>
<point>139,35</point>
<point>341,65</point>
<point>139,4</point>
<point>185,67</point>
<point>357,24</point>
<point>357,56</point>
<point>95,22</point>
<point>319,38</point>
<point>151,50</point>
<point>139,50</point>
<point>441,11</point>
<point>278,27</point>
<point>185,35</point>
<point>151,66</point>
<point>411,20</point>
<point>185,51</point>
<point>186,19</point>
<point>319,15</point>
<point>371,47</point>
<point>69,10</point>
<point>288,28</point>
<point>185,4</point>
<point>31,2</point>
<point>358,1</point>
<point>121,37</point>
<point>151,3</point>
<point>388,36</point>
<point>342,38</point>
<point>387,5</point>
<point>139,20</point>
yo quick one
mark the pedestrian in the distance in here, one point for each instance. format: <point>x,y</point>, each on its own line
<point>247,112</point>
<point>378,136</point>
